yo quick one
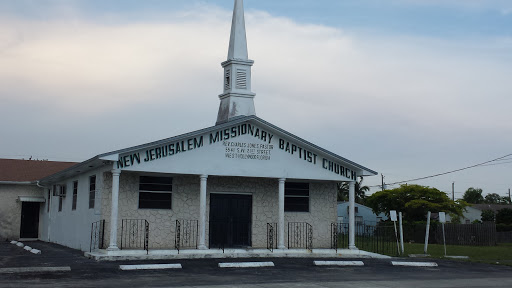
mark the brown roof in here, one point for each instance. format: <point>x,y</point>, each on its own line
<point>493,207</point>
<point>15,170</point>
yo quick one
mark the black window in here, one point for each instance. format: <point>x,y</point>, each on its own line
<point>75,195</point>
<point>155,192</point>
<point>62,194</point>
<point>49,197</point>
<point>92,191</point>
<point>296,197</point>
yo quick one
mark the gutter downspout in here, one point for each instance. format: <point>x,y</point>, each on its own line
<point>49,209</point>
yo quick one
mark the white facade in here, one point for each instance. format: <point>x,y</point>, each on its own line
<point>70,227</point>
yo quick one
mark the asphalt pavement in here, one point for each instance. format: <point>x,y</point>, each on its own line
<point>203,273</point>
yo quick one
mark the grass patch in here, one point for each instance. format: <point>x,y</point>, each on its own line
<point>502,253</point>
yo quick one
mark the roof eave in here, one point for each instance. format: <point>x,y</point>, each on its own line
<point>78,169</point>
<point>18,182</point>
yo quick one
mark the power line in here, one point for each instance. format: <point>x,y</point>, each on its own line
<point>500,163</point>
<point>445,173</point>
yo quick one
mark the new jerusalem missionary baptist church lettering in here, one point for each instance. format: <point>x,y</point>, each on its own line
<point>244,150</point>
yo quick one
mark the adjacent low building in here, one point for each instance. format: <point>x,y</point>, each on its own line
<point>22,198</point>
<point>363,214</point>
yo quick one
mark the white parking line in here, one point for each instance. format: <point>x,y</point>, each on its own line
<point>246,265</point>
<point>150,267</point>
<point>338,263</point>
<point>34,269</point>
<point>414,264</point>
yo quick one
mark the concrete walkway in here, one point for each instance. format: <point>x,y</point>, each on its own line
<point>122,255</point>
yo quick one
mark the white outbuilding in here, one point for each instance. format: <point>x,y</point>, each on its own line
<point>243,182</point>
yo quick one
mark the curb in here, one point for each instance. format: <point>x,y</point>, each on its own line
<point>414,264</point>
<point>149,267</point>
<point>246,265</point>
<point>338,263</point>
<point>34,269</point>
<point>28,248</point>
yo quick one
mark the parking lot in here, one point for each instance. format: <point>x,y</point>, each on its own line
<point>285,272</point>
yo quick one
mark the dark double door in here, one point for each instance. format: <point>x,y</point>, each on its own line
<point>230,220</point>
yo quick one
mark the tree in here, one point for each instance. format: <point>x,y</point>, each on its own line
<point>414,201</point>
<point>506,200</point>
<point>504,216</point>
<point>493,198</point>
<point>488,216</point>
<point>360,189</point>
<point>473,196</point>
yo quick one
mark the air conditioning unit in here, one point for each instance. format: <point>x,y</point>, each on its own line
<point>59,190</point>
<point>62,191</point>
<point>56,190</point>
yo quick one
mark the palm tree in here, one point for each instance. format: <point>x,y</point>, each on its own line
<point>361,190</point>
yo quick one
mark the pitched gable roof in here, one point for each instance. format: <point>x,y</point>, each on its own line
<point>493,207</point>
<point>16,170</point>
<point>107,158</point>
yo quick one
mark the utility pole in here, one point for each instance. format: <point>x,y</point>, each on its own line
<point>382,181</point>
<point>453,191</point>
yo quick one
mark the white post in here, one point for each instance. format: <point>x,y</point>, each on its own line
<point>202,213</point>
<point>352,216</point>
<point>114,210</point>
<point>442,219</point>
<point>280,225</point>
<point>401,231</point>
<point>427,232</point>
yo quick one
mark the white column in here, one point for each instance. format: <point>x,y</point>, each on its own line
<point>280,224</point>
<point>352,216</point>
<point>114,210</point>
<point>202,213</point>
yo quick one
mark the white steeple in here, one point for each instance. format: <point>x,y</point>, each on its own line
<point>237,99</point>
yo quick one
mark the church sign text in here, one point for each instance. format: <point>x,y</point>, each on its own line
<point>244,150</point>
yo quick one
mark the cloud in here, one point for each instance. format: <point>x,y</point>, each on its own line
<point>465,4</point>
<point>90,86</point>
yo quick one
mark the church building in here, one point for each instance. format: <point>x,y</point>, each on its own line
<point>242,183</point>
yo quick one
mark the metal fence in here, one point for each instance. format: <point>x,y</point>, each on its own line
<point>272,236</point>
<point>135,234</point>
<point>186,234</point>
<point>456,234</point>
<point>468,234</point>
<point>504,237</point>
<point>97,235</point>
<point>300,235</point>
<point>373,238</point>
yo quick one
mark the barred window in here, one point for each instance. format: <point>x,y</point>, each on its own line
<point>49,200</point>
<point>92,191</point>
<point>155,192</point>
<point>62,194</point>
<point>296,197</point>
<point>75,195</point>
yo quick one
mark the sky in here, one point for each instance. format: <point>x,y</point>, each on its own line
<point>408,88</point>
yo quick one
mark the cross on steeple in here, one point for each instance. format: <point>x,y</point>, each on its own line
<point>237,99</point>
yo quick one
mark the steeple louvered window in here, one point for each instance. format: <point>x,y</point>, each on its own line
<point>241,79</point>
<point>227,82</point>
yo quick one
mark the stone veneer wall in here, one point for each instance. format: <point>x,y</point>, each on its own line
<point>10,209</point>
<point>264,193</point>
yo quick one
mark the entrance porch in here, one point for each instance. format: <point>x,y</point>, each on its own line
<point>133,255</point>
